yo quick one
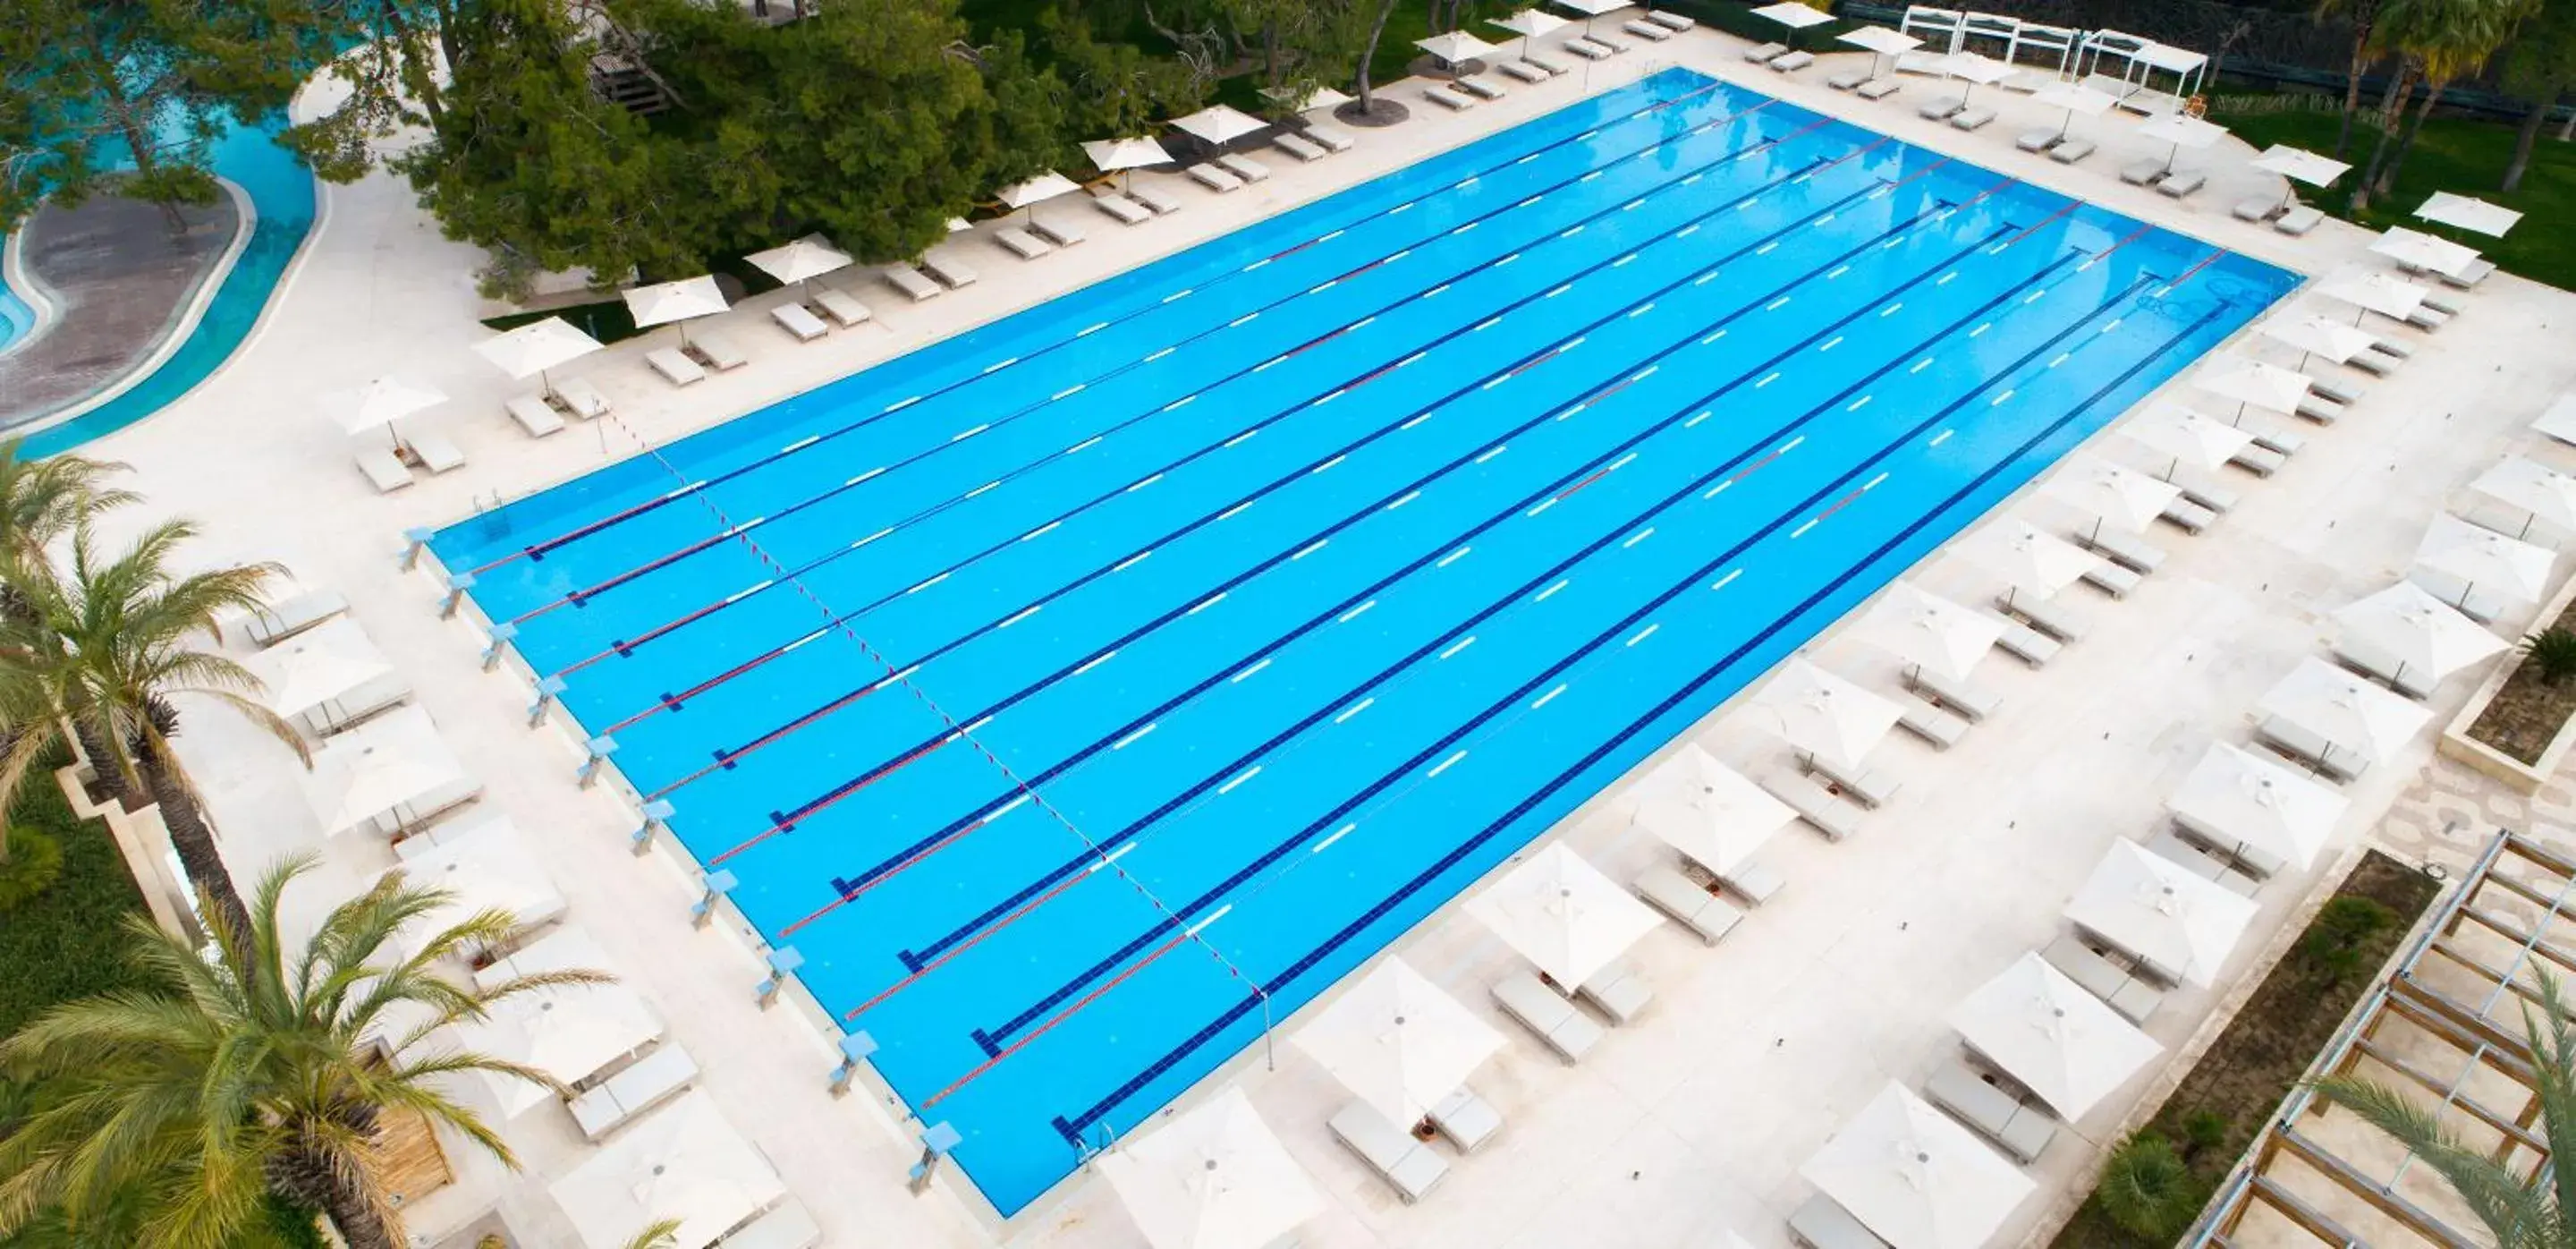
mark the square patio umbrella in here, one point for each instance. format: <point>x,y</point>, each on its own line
<point>2468,213</point>
<point>1822,714</point>
<point>801,261</point>
<point>2075,98</point>
<point>2112,495</point>
<point>2374,291</point>
<point>2182,131</point>
<point>570,1032</point>
<point>1113,155</point>
<point>1796,17</point>
<point>2027,557</point>
<point>1304,99</point>
<point>484,868</point>
<point>1529,24</point>
<point>684,1162</point>
<point>2343,709</point>
<point>1709,811</point>
<point>1915,1177</point>
<point>675,303</point>
<point>1038,190</point>
<point>2176,922</point>
<point>318,666</point>
<point>378,404</point>
<point>1977,70</point>
<point>2298,164</point>
<point>1928,631</point>
<point>1880,42</point>
<point>1397,1042</point>
<point>2050,1034</point>
<point>2185,437</point>
<point>2425,635</point>
<point>2252,382</point>
<point>2317,335</point>
<point>2235,795</point>
<point>2559,420</point>
<point>1218,125</point>
<point>1590,9</point>
<point>2481,558</point>
<point>1454,48</point>
<point>2414,250</point>
<point>1562,914</point>
<point>533,348</point>
<point>2542,492</point>
<point>1212,1177</point>
<point>379,766</point>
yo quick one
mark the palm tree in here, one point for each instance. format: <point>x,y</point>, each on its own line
<point>108,640</point>
<point>219,1090</point>
<point>2363,17</point>
<point>2519,1212</point>
<point>2437,41</point>
<point>40,501</point>
<point>660,1235</point>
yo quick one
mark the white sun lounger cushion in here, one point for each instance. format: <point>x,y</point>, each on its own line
<point>1619,991</point>
<point>2320,755</point>
<point>1704,913</point>
<point>1058,231</point>
<point>1548,1016</point>
<point>577,396</point>
<point>2255,208</point>
<point>1027,245</point>
<point>1791,62</point>
<point>2260,460</point>
<point>2142,172</point>
<point>2023,1130</point>
<point>2379,667</point>
<point>1868,786</point>
<point>1672,21</point>
<point>1822,1223</point>
<point>2280,442</point>
<point>1467,1120</point>
<point>1972,118</point>
<point>2071,151</point>
<point>1481,88</point>
<point>2204,490</point>
<point>1877,88</point>
<point>787,1225</point>
<point>1835,816</point>
<point>1941,108</point>
<point>1753,880</point>
<point>2212,865</point>
<point>656,1078</point>
<point>2181,183</point>
<point>1936,725</point>
<point>1523,70</point>
<point>2190,517</point>
<point>718,352</point>
<point>1215,179</point>
<point>2132,997</point>
<point>1761,53</point>
<point>949,269</point>
<point>1454,101</point>
<point>435,452</point>
<point>1124,209</point>
<point>2253,859</point>
<point>1306,149</point>
<point>1649,31</point>
<point>2041,614</point>
<point>2039,140</point>
<point>2113,579</point>
<point>1407,1165</point>
<point>2374,362</point>
<point>800,323</point>
<point>383,693</point>
<point>1335,139</point>
<point>1146,194</point>
<point>843,307</point>
<point>1588,49</point>
<point>2028,645</point>
<point>2299,220</point>
<point>1957,696</point>
<point>1606,41</point>
<point>284,619</point>
<point>2478,270</point>
<point>2129,551</point>
<point>1244,167</point>
<point>675,368</point>
<point>533,415</point>
<point>1847,79</point>
<point>912,282</point>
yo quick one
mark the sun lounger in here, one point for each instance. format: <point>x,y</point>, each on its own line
<point>1673,21</point>
<point>1126,210</point>
<point>2200,488</point>
<point>1694,908</point>
<point>1972,118</point>
<point>656,1078</point>
<point>1877,88</point>
<point>1752,880</point>
<point>787,1225</point>
<point>1648,31</point>
<point>1154,200</point>
<point>383,469</point>
<point>1058,231</point>
<point>1847,79</point>
<point>2260,460</point>
<point>843,307</point>
<point>1971,704</point>
<point>1244,167</point>
<point>2039,140</point>
<point>2130,552</point>
<point>2378,667</point>
<point>1336,139</point>
<point>2023,1129</point>
<point>1590,49</point>
<point>577,396</point>
<point>2028,645</point>
<point>2256,862</point>
<point>2427,317</point>
<point>1454,101</point>
<point>2299,220</point>
<point>2319,755</point>
<point>2278,442</point>
<point>1827,812</point>
<point>2190,517</point>
<point>2483,608</point>
<point>2113,579</point>
<point>1790,62</point>
<point>1931,722</point>
<point>2071,151</point>
<point>1481,88</point>
<point>404,817</point>
<point>2203,862</point>
<point>1524,71</point>
<point>912,282</point>
<point>2181,183</point>
<point>717,351</point>
<point>1467,1120</point>
<point>1306,149</point>
<point>949,270</point>
<point>2142,172</point>
<point>1407,1165</point>
<point>2477,271</point>
<point>2041,614</point>
<point>1548,1016</point>
<point>533,415</point>
<point>1619,991</point>
<point>1553,68</point>
<point>675,368</point>
<point>1761,53</point>
<point>2326,408</point>
<point>1868,786</point>
<point>1822,1223</point>
<point>1942,108</point>
<point>2255,208</point>
<point>2122,991</point>
<point>287,617</point>
<point>1027,245</point>
<point>434,452</point>
<point>799,322</point>
<point>1214,179</point>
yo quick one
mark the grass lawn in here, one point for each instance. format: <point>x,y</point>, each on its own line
<point>2466,157</point>
<point>69,941</point>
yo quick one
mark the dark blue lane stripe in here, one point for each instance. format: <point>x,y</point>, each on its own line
<point>1500,604</point>
<point>1072,1129</point>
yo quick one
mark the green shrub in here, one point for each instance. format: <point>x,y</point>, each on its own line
<point>2203,1130</point>
<point>2147,1189</point>
<point>2553,652</point>
<point>34,861</point>
<point>2343,930</point>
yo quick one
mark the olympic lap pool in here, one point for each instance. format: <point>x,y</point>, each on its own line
<point>1308,574</point>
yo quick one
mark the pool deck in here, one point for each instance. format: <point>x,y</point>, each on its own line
<point>118,287</point>
<point>1691,1122</point>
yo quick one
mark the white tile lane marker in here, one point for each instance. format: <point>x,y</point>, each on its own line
<point>1328,398</point>
<point>1338,833</point>
<point>1767,380</point>
<point>872,537</point>
<point>1544,594</point>
<point>1686,231</point>
<point>1444,765</point>
<point>1541,701</point>
<point>1012,805</point>
<point>1640,310</point>
<point>864,476</point>
<point>1920,365</point>
<point>1231,512</point>
<point>1256,666</point>
<point>1417,355</point>
<point>1426,295</point>
<point>1214,916</point>
<point>964,435</point>
<point>1245,318</point>
<point>1131,561</point>
<point>1084,445</point>
<point>1327,464</point>
<point>1244,437</point>
<point>1623,260</point>
<point>1463,644</point>
<point>1942,437</point>
<point>1206,603</point>
<point>1703,415</point>
<point>1484,325</point>
<point>1497,449</point>
<point>1103,862</point>
<point>1160,354</point>
<point>1409,497</point>
<point>1640,536</point>
<point>976,727</point>
<point>896,677</point>
<point>1777,304</point>
<point>1102,658</point>
<point>989,485</point>
<point>1507,260</point>
<point>1643,634</point>
<point>1024,614</point>
<point>927,584</point>
<point>1464,228</point>
<point>1354,709</point>
<point>1945,278</point>
<point>1453,557</point>
<point>1144,483</point>
<point>1558,291</point>
<point>1543,505</point>
<point>1067,392</point>
<point>2062,357</point>
<point>1857,404</point>
<point>1001,364</point>
<point>1839,270</point>
<point>1731,575</point>
<point>1310,548</point>
<point>1998,400</point>
<point>1354,613</point>
<point>1239,778</point>
<point>801,443</point>
<point>1712,338</point>
<point>1182,402</point>
<point>1981,328</point>
<point>1831,343</point>
<point>1890,310</point>
<point>1182,293</point>
<point>1096,327</point>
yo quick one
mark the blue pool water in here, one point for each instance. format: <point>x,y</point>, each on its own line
<point>1308,574</point>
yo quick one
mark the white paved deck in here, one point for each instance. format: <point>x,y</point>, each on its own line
<point>1692,1121</point>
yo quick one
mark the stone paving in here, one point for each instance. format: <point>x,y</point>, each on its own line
<point>119,284</point>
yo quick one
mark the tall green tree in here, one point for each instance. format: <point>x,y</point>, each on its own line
<point>2436,41</point>
<point>2362,16</point>
<point>219,1090</point>
<point>2539,68</point>
<point>1362,87</point>
<point>41,502</point>
<point>389,75</point>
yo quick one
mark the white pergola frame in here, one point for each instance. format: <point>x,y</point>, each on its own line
<point>1944,31</point>
<point>2139,60</point>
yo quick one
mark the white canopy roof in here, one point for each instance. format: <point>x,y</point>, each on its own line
<point>2534,487</point>
<point>2424,634</point>
<point>485,867</point>
<point>1592,8</point>
<point>2119,496</point>
<point>2300,164</point>
<point>2182,130</point>
<point>1397,1042</point>
<point>1880,39</point>
<point>1219,124</point>
<point>2468,214</point>
<point>682,1162</point>
<point>2186,436</point>
<point>1528,23</point>
<point>1045,186</point>
<point>2159,911</point>
<point>1112,155</point>
<point>2233,793</point>
<point>536,347</point>
<point>2074,97</point>
<point>322,663</point>
<point>2319,335</point>
<point>1793,16</point>
<point>1929,631</point>
<point>2252,381</point>
<point>809,257</point>
<point>2057,1039</point>
<point>1915,1177</point>
<point>369,770</point>
<point>2417,250</point>
<point>2384,293</point>
<point>1820,713</point>
<point>1454,46</point>
<point>2343,709</point>
<point>1562,914</point>
<point>1709,811</point>
<point>381,401</point>
<point>1980,70</point>
<point>1212,1177</point>
<point>2026,556</point>
<point>666,302</point>
<point>2484,559</point>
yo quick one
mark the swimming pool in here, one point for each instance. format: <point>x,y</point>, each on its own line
<point>1306,575</point>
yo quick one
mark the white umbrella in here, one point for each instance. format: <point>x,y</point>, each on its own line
<point>684,1162</point>
<point>1928,631</point>
<point>1212,1177</point>
<point>379,403</point>
<point>2468,214</point>
<point>2253,382</point>
<point>1218,125</point>
<point>2422,633</point>
<point>2026,557</point>
<point>321,664</point>
<point>2236,795</point>
<point>2416,250</point>
<point>2345,710</point>
<point>1977,70</point>
<point>1562,914</point>
<point>2517,570</point>
<point>1305,99</point>
<point>485,868</point>
<point>1398,1043</point>
<point>1112,155</point>
<point>1038,190</point>
<point>2111,494</point>
<point>378,767</point>
<point>536,347</point>
<point>801,261</point>
<point>570,1032</point>
<point>668,303</point>
<point>2186,437</point>
<point>1915,1177</point>
<point>2298,164</point>
<point>1881,42</point>
<point>2074,98</point>
<point>2374,291</point>
<point>2178,923</point>
<point>2316,335</point>
<point>1528,24</point>
<point>1823,714</point>
<point>1709,811</point>
<point>2182,131</point>
<point>959,225</point>
<point>2559,421</point>
<point>1454,47</point>
<point>1592,8</point>
<point>2052,1036</point>
<point>2546,494</point>
<point>1793,16</point>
